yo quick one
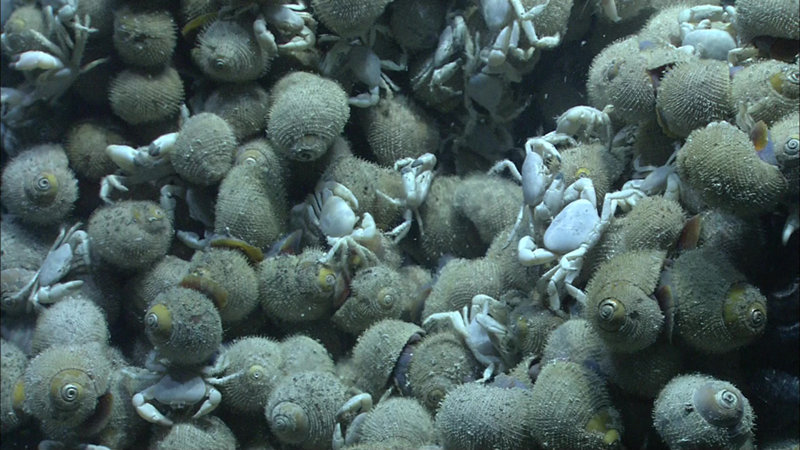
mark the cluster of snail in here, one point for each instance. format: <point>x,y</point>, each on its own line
<point>388,308</point>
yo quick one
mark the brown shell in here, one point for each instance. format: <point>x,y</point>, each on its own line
<point>619,300</point>
<point>13,363</point>
<point>587,420</point>
<point>302,408</point>
<point>298,288</point>
<point>228,51</point>
<point>130,234</point>
<point>86,144</point>
<point>397,419</point>
<point>72,321</point>
<point>715,309</point>
<point>375,293</point>
<point>530,325</point>
<point>243,106</point>
<point>693,94</point>
<point>775,18</point>
<point>490,202</point>
<point>183,325</point>
<point>207,432</point>
<point>138,97</point>
<point>576,340</point>
<point>396,128</point>
<point>698,411</point>
<point>144,286</point>
<point>204,150</point>
<point>769,89</point>
<point>348,18</point>
<point>720,162</point>
<point>307,113</point>
<point>144,38</point>
<point>476,416</point>
<point>301,353</point>
<point>38,185</point>
<point>376,352</point>
<point>440,363</point>
<point>259,361</point>
<point>654,223</point>
<point>460,280</point>
<point>232,272</point>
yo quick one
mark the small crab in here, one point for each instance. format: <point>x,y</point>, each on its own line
<point>69,251</point>
<point>437,76</point>
<point>582,123</point>
<point>357,57</point>
<point>658,180</point>
<point>292,23</point>
<point>357,407</point>
<point>57,68</point>
<point>708,30</point>
<point>507,20</point>
<point>417,174</point>
<point>178,388</point>
<point>331,211</point>
<point>482,332</point>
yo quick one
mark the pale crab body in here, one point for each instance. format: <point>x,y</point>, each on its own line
<point>69,251</point>
<point>657,180</point>
<point>508,21</point>
<point>482,333</point>
<point>292,22</point>
<point>582,123</point>
<point>708,30</point>
<point>331,210</point>
<point>417,175</point>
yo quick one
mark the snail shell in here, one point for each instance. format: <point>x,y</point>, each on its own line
<point>490,202</point>
<point>376,353</point>
<point>307,113</point>
<point>18,28</point>
<point>770,89</point>
<point>591,161</point>
<point>301,353</point>
<point>774,18</point>
<point>619,301</point>
<point>13,363</point>
<point>715,310</point>
<point>259,361</point>
<point>375,293</point>
<point>618,77</point>
<point>396,128</point>
<point>23,247</point>
<point>63,388</point>
<point>719,161</point>
<point>399,420</point>
<point>243,106</point>
<point>144,38</point>
<point>460,280</point>
<point>145,285</point>
<point>232,272</point>
<point>476,416</point>
<point>698,411</point>
<point>301,410</point>
<point>228,51</point>
<point>183,325</point>
<point>139,97</point>
<point>576,340</point>
<point>787,140</point>
<point>587,420</point>
<point>348,18</point>
<point>130,234</point>
<point>693,94</point>
<point>298,288</point>
<point>654,223</point>
<point>447,231</point>
<point>86,144</point>
<point>646,372</point>
<point>651,145</point>
<point>38,186</point>
<point>440,363</point>
<point>530,325</point>
<point>252,203</point>
<point>204,149</point>
<point>206,432</point>
<point>72,321</point>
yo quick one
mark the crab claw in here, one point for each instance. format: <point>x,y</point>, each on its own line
<point>211,403</point>
<point>51,294</point>
<point>149,412</point>
<point>123,156</point>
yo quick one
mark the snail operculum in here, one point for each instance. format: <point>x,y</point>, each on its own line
<point>43,188</point>
<point>718,406</point>
<point>612,314</point>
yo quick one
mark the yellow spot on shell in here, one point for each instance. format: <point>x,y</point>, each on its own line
<point>326,279</point>
<point>159,320</point>
<point>200,281</point>
<point>602,423</point>
<point>18,396</point>
<point>254,254</point>
<point>582,172</point>
<point>67,388</point>
<point>612,314</point>
<point>197,23</point>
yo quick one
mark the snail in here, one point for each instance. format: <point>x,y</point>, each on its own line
<point>139,97</point>
<point>144,38</point>
<point>204,149</point>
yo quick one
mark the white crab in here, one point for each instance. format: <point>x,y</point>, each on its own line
<point>331,210</point>
<point>482,333</point>
<point>438,71</point>
<point>50,73</point>
<point>417,175</point>
<point>357,407</point>
<point>69,251</point>
<point>291,22</point>
<point>507,20</point>
<point>357,57</point>
<point>582,123</point>
<point>658,180</point>
<point>708,30</point>
<point>178,388</point>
